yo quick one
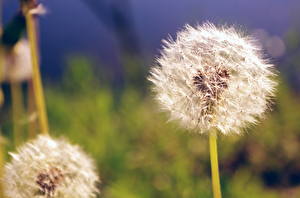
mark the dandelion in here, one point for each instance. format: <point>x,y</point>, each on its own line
<point>50,168</point>
<point>16,68</point>
<point>211,79</point>
<point>17,63</point>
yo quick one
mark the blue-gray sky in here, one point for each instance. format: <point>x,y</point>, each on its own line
<point>71,28</point>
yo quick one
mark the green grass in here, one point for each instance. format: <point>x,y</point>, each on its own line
<point>140,155</point>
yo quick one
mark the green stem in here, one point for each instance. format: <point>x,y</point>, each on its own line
<point>31,111</point>
<point>36,80</point>
<point>214,164</point>
<point>1,97</point>
<point>17,111</point>
<point>1,72</point>
<point>2,162</point>
<point>1,102</point>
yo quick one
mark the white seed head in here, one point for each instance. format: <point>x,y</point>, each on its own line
<point>17,64</point>
<point>212,77</point>
<point>49,168</point>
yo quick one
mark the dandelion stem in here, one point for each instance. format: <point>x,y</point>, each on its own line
<point>31,111</point>
<point>1,102</point>
<point>1,70</point>
<point>37,82</point>
<point>17,111</point>
<point>2,161</point>
<point>1,96</point>
<point>214,164</point>
<point>1,57</point>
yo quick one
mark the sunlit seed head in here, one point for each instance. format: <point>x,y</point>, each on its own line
<point>212,77</point>
<point>50,168</point>
<point>17,64</point>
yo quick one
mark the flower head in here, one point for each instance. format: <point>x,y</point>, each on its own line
<point>213,77</point>
<point>50,168</point>
<point>17,62</point>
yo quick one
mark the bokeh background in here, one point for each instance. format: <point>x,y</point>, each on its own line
<point>95,55</point>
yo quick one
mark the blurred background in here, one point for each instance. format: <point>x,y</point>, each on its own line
<point>95,55</point>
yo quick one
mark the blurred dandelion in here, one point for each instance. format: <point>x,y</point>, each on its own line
<point>17,63</point>
<point>212,79</point>
<point>274,45</point>
<point>16,68</point>
<point>47,167</point>
<point>44,167</point>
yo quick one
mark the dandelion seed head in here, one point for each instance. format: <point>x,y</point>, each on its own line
<point>50,168</point>
<point>213,77</point>
<point>17,62</point>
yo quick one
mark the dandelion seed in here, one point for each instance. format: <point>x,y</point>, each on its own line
<point>212,77</point>
<point>50,168</point>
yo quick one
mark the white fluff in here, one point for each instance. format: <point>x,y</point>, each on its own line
<point>213,77</point>
<point>17,63</point>
<point>48,168</point>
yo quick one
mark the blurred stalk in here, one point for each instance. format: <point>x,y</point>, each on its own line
<point>1,93</point>
<point>13,31</point>
<point>17,111</point>
<point>1,14</point>
<point>32,127</point>
<point>117,16</point>
<point>214,164</point>
<point>2,162</point>
<point>36,80</point>
<point>1,75</point>
<point>2,151</point>
<point>1,57</point>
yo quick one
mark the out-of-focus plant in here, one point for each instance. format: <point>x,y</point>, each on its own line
<point>29,9</point>
<point>15,68</point>
<point>44,167</point>
<point>117,16</point>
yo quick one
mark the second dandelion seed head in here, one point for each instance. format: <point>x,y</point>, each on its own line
<point>212,77</point>
<point>50,168</point>
<point>17,63</point>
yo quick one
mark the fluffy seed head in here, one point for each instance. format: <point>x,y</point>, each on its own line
<point>212,77</point>
<point>49,168</point>
<point>17,64</point>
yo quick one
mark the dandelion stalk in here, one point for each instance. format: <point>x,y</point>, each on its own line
<point>2,161</point>
<point>1,76</point>
<point>1,102</point>
<point>214,164</point>
<point>37,82</point>
<point>31,112</point>
<point>1,58</point>
<point>213,79</point>
<point>1,96</point>
<point>17,111</point>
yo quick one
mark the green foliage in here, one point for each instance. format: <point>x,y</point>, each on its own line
<point>80,77</point>
<point>140,155</point>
